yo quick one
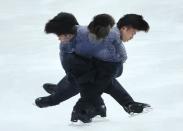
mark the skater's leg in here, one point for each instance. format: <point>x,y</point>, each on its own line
<point>52,88</point>
<point>65,90</point>
<point>83,72</point>
<point>117,91</point>
<point>124,99</point>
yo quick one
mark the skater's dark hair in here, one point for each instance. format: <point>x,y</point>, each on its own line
<point>101,25</point>
<point>133,20</point>
<point>62,23</point>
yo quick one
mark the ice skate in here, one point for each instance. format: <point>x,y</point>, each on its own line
<point>137,108</point>
<point>42,102</point>
<point>50,88</point>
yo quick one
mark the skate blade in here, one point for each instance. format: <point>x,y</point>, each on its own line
<point>145,110</point>
<point>79,124</point>
<point>99,119</point>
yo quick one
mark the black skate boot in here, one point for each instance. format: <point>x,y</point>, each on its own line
<point>101,111</point>
<point>43,102</point>
<point>86,115</point>
<point>135,107</point>
<point>83,111</point>
<point>82,116</point>
<point>50,88</point>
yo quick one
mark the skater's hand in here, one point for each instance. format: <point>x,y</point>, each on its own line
<point>64,39</point>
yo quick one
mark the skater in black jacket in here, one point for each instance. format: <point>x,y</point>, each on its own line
<point>111,86</point>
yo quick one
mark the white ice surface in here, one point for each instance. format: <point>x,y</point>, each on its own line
<point>153,72</point>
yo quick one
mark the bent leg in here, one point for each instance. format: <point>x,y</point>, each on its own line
<point>117,91</point>
<point>65,90</point>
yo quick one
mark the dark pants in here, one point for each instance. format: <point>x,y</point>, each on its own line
<point>91,78</point>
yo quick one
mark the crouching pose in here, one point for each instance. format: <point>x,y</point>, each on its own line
<point>103,55</point>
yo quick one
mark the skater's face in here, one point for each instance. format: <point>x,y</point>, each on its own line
<point>64,38</point>
<point>127,33</point>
